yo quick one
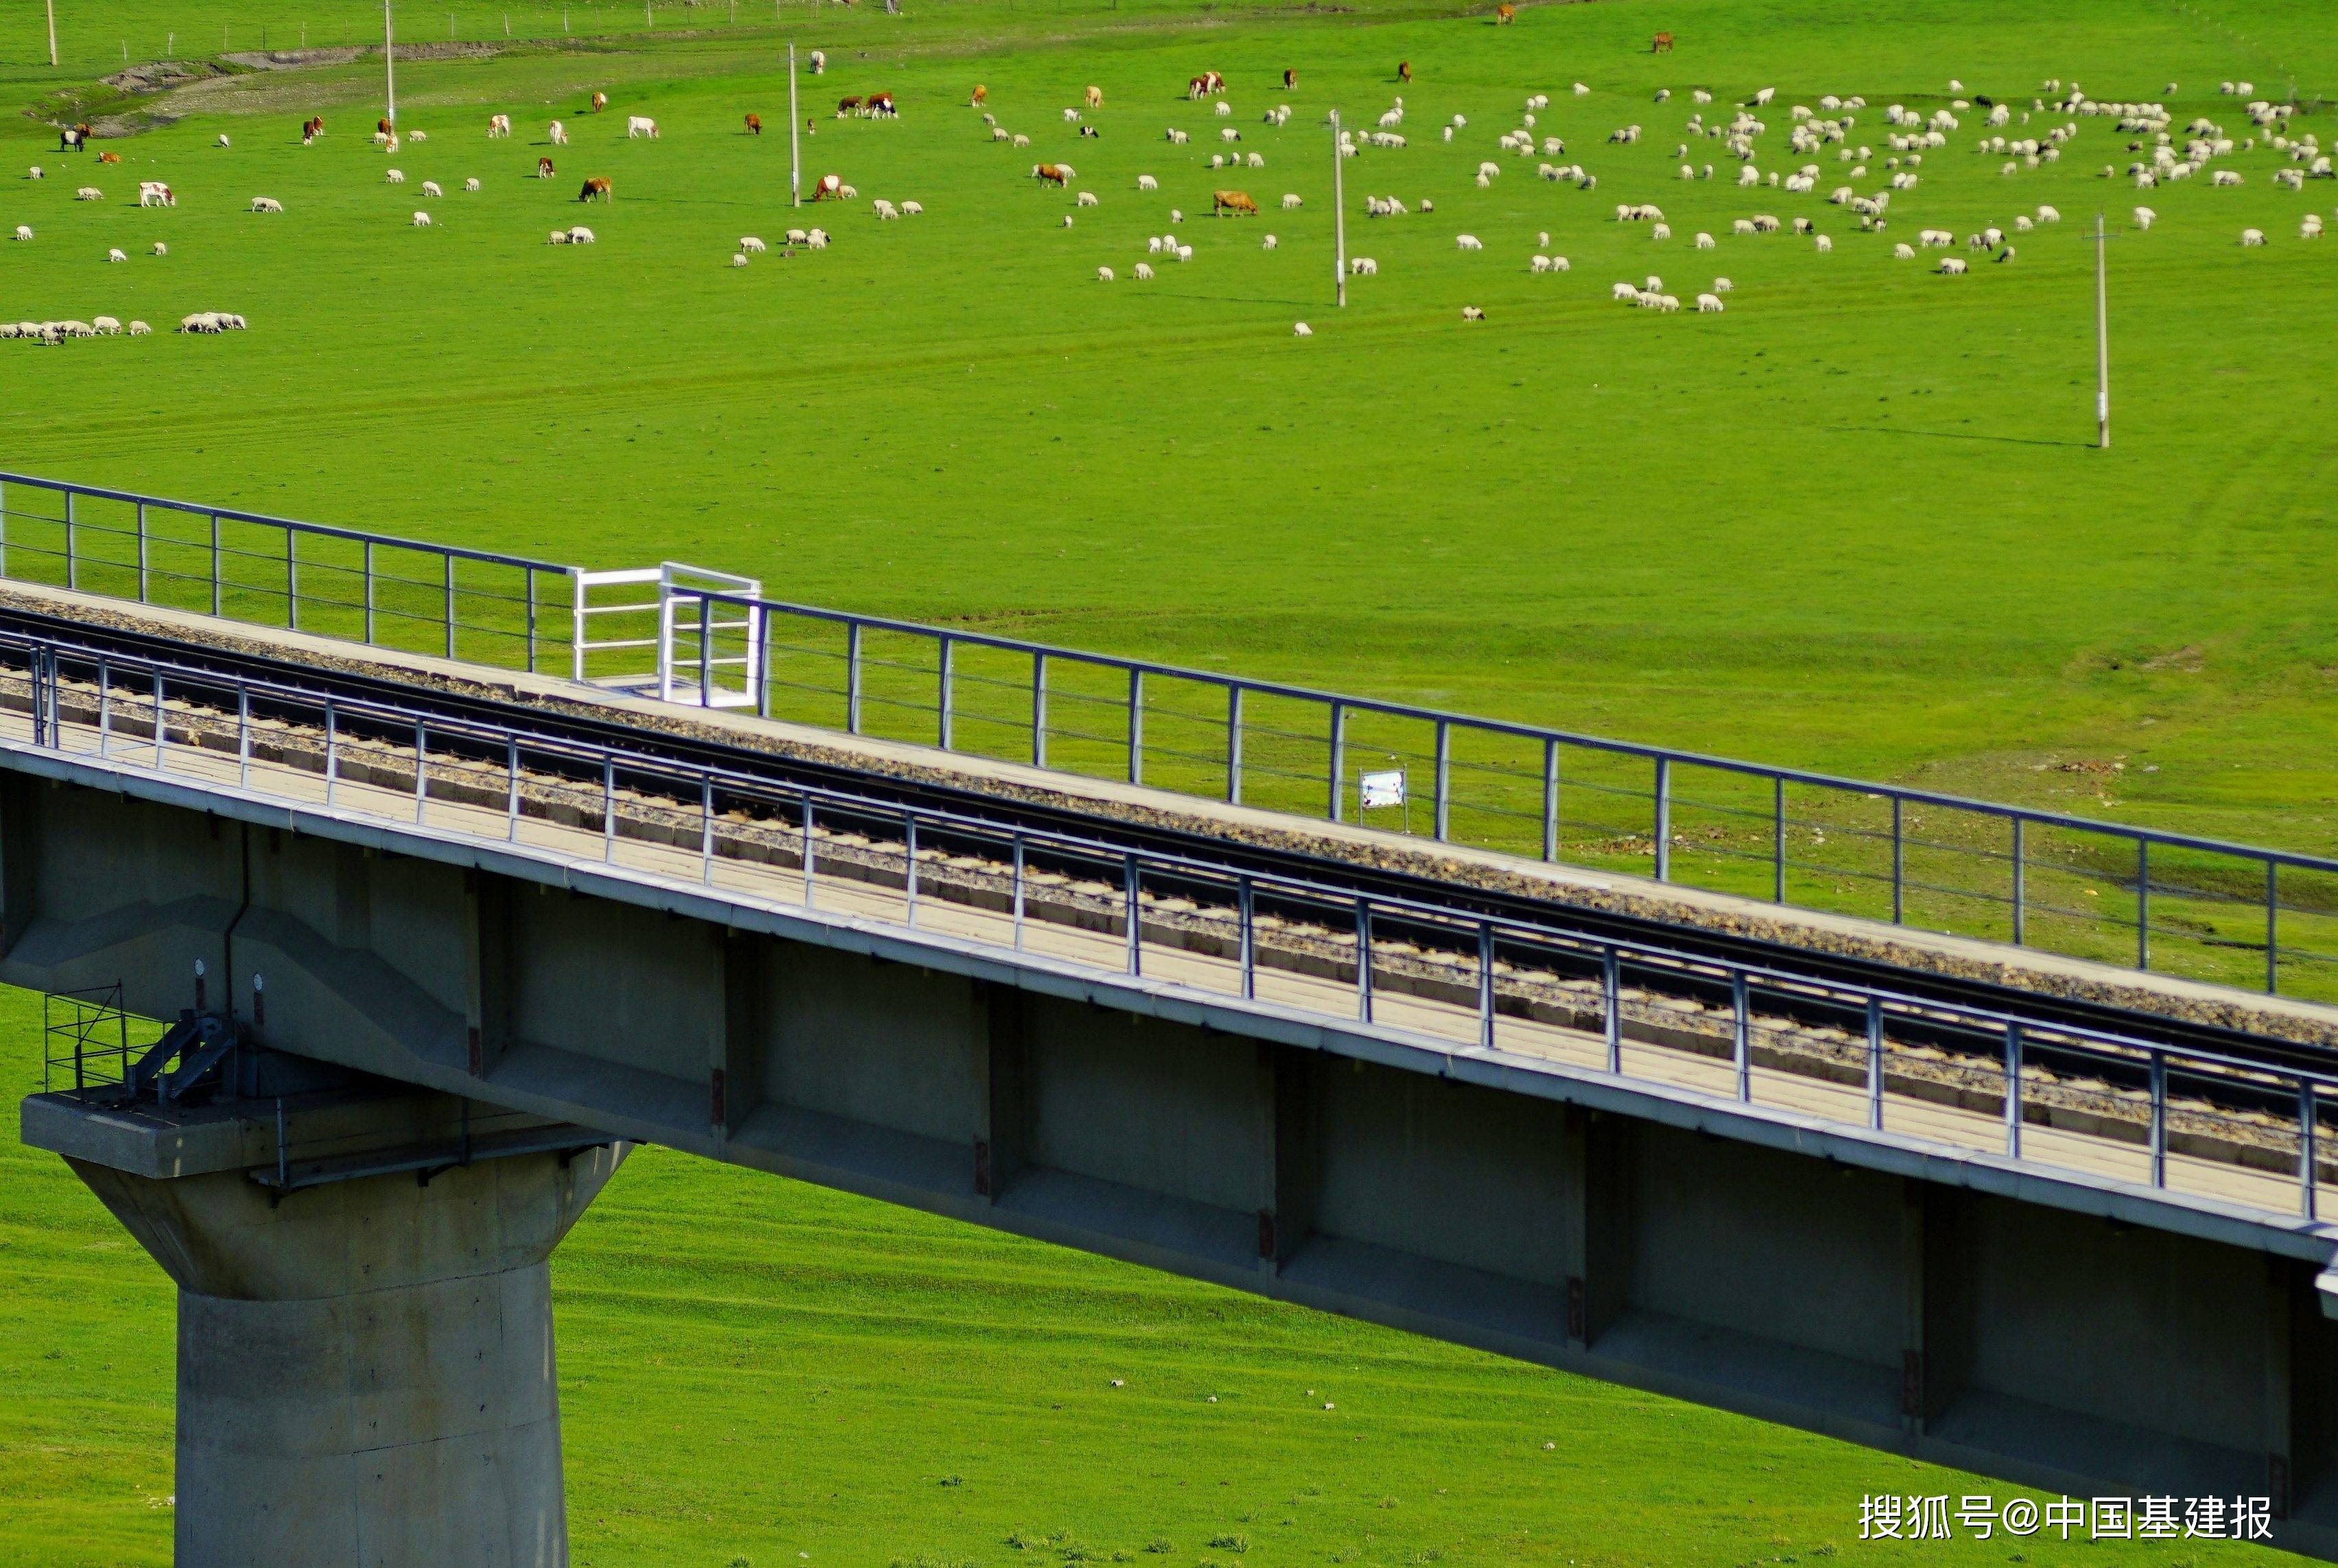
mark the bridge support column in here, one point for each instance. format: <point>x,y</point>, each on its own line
<point>365,1345</point>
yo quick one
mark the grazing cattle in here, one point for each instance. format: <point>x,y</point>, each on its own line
<point>559,134</point>
<point>383,128</point>
<point>1204,85</point>
<point>544,170</point>
<point>109,157</point>
<point>1289,79</point>
<point>1054,174</point>
<point>597,188</point>
<point>1662,44</point>
<point>69,139</point>
<point>879,106</point>
<point>845,106</point>
<point>1505,13</point>
<point>1404,71</point>
<point>1234,201</point>
<point>640,125</point>
<point>1094,97</point>
<point>600,101</point>
<point>981,96</point>
<point>818,62</point>
<point>498,126</point>
<point>312,128</point>
<point>828,188</point>
<point>754,124</point>
<point>153,194</point>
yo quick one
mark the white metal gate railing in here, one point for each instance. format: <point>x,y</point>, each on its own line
<point>672,630</point>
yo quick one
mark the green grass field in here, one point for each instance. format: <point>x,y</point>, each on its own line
<point>1854,525</point>
<point>757,1371</point>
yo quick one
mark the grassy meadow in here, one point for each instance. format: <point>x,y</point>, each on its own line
<point>757,1372</point>
<point>1854,524</point>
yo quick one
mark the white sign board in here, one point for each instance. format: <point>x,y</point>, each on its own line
<point>1378,790</point>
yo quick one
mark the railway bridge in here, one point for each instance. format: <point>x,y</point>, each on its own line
<point>432,937</point>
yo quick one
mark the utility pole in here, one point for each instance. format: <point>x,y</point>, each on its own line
<point>2102,337</point>
<point>53,32</point>
<point>389,68</point>
<point>795,133</point>
<point>1339,217</point>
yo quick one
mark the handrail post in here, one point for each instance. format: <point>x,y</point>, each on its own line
<point>808,851</point>
<point>1444,779</point>
<point>909,870</point>
<point>1233,742</point>
<point>145,593</point>
<point>944,691</point>
<point>1611,1000</point>
<point>1246,913</point>
<point>1136,725</point>
<point>511,804</point>
<point>293,579</point>
<point>2143,904</point>
<point>1875,1063</point>
<point>449,558</point>
<point>1038,710</point>
<point>2013,1091</point>
<point>161,726</point>
<point>421,772</point>
<point>104,706</point>
<point>1018,889</point>
<point>1899,862</point>
<point>1363,961</point>
<point>1777,838</point>
<point>367,567</point>
<point>1741,1034</point>
<point>1663,819</point>
<point>215,563</point>
<point>332,752</point>
<point>706,829</point>
<point>1135,918</point>
<point>2159,1119</point>
<point>243,735</point>
<point>528,591</point>
<point>2021,883</point>
<point>1550,798</point>
<point>609,807</point>
<point>1486,984</point>
<point>853,677</point>
<point>2273,927</point>
<point>72,556</point>
<point>2308,1167</point>
<point>1336,774</point>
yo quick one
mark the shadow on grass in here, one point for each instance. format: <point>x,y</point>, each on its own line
<point>1958,435</point>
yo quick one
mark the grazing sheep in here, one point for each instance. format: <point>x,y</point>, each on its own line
<point>1471,313</point>
<point>117,254</point>
<point>1184,253</point>
<point>2252,237</point>
<point>1178,138</point>
<point>160,248</point>
<point>1289,200</point>
<point>140,329</point>
<point>1709,305</point>
<point>640,125</point>
<point>1256,159</point>
<point>1742,226</point>
<point>751,245</point>
<point>1147,182</point>
<point>1021,141</point>
<point>1723,286</point>
<point>395,176</point>
<point>34,172</point>
<point>581,236</point>
<point>559,236</point>
<point>1084,199</point>
<point>1824,244</point>
<point>1103,274</point>
<point>223,141</point>
<point>885,210</point>
<point>1903,252</point>
<point>1142,273</point>
<point>2049,215</point>
<point>1951,266</point>
<point>737,259</point>
<point>913,209</point>
<point>1363,267</point>
<point>1661,231</point>
<point>422,219</point>
<point>559,134</point>
<point>471,185</point>
<point>2225,177</point>
<point>1705,242</point>
<point>795,237</point>
<point>1301,329</point>
<point>430,188</point>
<point>24,231</point>
<point>89,193</point>
<point>817,240</point>
<point>1067,219</point>
<point>2144,217</point>
<point>414,136</point>
<point>1176,216</point>
<point>1269,243</point>
<point>1561,264</point>
<point>1468,242</point>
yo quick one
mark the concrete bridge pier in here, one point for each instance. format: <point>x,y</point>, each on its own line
<point>364,1343</point>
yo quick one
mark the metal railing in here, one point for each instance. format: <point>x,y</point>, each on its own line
<point>86,1036</point>
<point>1410,967</point>
<point>2170,903</point>
<point>508,610</point>
<point>2115,893</point>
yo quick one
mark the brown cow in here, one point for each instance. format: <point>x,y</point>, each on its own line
<point>600,101</point>
<point>312,128</point>
<point>1234,201</point>
<point>383,127</point>
<point>1505,13</point>
<point>754,124</point>
<point>597,188</point>
<point>879,105</point>
<point>828,188</point>
<point>1054,174</point>
<point>981,96</point>
<point>1204,85</point>
<point>109,157</point>
<point>1663,45</point>
<point>1289,79</point>
<point>1404,71</point>
<point>845,106</point>
<point>544,170</point>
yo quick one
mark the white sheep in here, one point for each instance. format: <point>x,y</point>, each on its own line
<point>1256,159</point>
<point>1723,286</point>
<point>1103,274</point>
<point>2225,177</point>
<point>559,133</point>
<point>1468,242</point>
<point>1142,273</point>
<point>1824,244</point>
<point>1269,243</point>
<point>1176,215</point>
<point>737,259</point>
<point>1147,182</point>
<point>1951,266</point>
<point>222,138</point>
<point>1903,252</point>
<point>2252,237</point>
<point>472,185</point>
<point>1470,313</point>
<point>422,219</point>
<point>160,248</point>
<point>24,231</point>
<point>414,136</point>
<point>1660,231</point>
<point>885,210</point>
<point>1705,242</point>
<point>266,204</point>
<point>817,240</point>
<point>751,245</point>
<point>913,209</point>
<point>1289,200</point>
<point>581,236</point>
<point>2049,215</point>
<point>1710,305</point>
<point>1363,267</point>
<point>1229,134</point>
<point>1301,329</point>
<point>1184,253</point>
<point>140,329</point>
<point>117,254</point>
<point>89,193</point>
<point>559,236</point>
<point>1084,199</point>
<point>396,176</point>
<point>34,172</point>
<point>640,125</point>
<point>2144,217</point>
<point>1561,264</point>
<point>430,188</point>
<point>2310,226</point>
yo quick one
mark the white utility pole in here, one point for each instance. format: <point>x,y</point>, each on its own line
<point>388,68</point>
<point>1339,217</point>
<point>795,143</point>
<point>2102,337</point>
<point>53,32</point>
